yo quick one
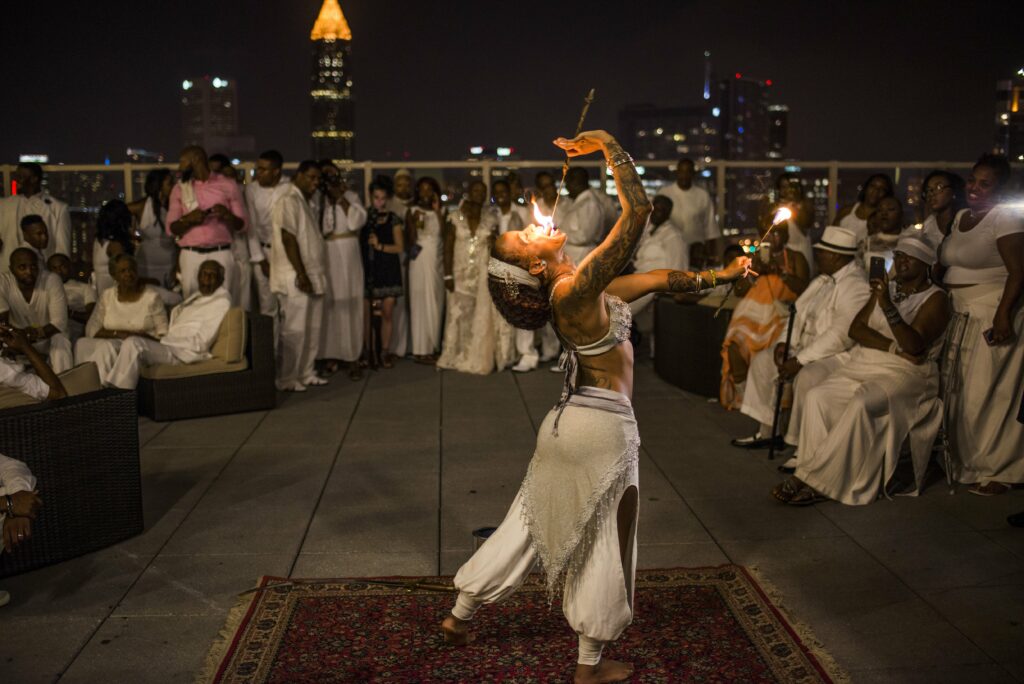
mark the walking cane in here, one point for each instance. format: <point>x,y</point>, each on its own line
<point>782,384</point>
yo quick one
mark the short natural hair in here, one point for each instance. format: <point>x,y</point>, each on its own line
<point>118,258</point>
<point>999,165</point>
<point>307,164</point>
<point>30,219</point>
<point>274,157</point>
<point>33,168</point>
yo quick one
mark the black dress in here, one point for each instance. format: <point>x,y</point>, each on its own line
<point>383,271</point>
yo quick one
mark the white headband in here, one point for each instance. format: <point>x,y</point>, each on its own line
<point>512,276</point>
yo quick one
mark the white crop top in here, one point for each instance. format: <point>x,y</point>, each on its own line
<point>972,258</point>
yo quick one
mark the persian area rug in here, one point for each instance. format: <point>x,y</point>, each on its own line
<point>690,625</point>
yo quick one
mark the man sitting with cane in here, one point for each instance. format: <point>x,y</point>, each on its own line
<point>820,338</point>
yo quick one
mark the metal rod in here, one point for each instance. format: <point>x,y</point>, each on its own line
<point>579,129</point>
<point>782,384</point>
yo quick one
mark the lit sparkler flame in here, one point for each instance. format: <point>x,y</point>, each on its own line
<point>782,215</point>
<point>542,222</point>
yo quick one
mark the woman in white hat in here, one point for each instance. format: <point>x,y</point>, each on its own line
<point>853,424</point>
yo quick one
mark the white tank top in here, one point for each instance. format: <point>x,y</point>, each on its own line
<point>908,309</point>
<point>859,226</point>
<point>972,258</point>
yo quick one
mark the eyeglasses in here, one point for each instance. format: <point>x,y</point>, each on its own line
<point>935,189</point>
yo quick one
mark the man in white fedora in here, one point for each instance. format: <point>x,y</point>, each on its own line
<point>820,339</point>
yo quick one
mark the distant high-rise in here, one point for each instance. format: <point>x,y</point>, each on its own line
<point>333,116</point>
<point>778,131</point>
<point>744,106</point>
<point>1010,117</point>
<point>652,132</point>
<point>209,116</point>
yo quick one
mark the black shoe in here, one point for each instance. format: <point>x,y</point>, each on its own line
<point>757,442</point>
<point>1017,519</point>
<point>785,470</point>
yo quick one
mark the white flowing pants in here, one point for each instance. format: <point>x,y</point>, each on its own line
<point>102,352</point>
<point>597,601</point>
<point>301,319</point>
<point>136,352</point>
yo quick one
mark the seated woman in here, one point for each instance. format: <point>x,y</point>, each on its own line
<point>855,216</point>
<point>758,317</point>
<point>474,340</point>
<point>853,425</point>
<point>129,308</point>
<point>984,259</point>
<point>884,229</point>
<point>383,242</point>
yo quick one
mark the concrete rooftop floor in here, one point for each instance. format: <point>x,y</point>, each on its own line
<point>388,477</point>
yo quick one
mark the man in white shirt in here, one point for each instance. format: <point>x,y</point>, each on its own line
<point>297,277</point>
<point>32,199</point>
<point>342,218</point>
<point>511,216</point>
<point>259,198</point>
<point>41,385</point>
<point>33,302</point>
<point>693,210</point>
<point>583,224</point>
<point>661,246</point>
<point>190,334</point>
<point>36,237</point>
<point>81,296</point>
<point>19,502</point>
<point>820,339</point>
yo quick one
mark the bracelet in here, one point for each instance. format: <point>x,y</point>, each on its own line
<point>713,278</point>
<point>449,277</point>
<point>10,505</point>
<point>619,160</point>
<point>700,282</point>
<point>893,316</point>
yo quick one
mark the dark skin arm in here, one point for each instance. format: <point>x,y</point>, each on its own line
<point>397,248</point>
<point>17,342</point>
<point>912,338</point>
<point>1011,249</point>
<point>234,223</point>
<point>187,222</point>
<point>631,287</point>
<point>291,250</point>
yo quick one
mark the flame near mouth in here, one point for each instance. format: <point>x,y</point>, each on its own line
<point>545,224</point>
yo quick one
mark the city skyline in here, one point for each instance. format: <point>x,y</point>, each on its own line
<point>914,82</point>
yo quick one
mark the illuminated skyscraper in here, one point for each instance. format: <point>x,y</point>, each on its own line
<point>333,116</point>
<point>1010,117</point>
<point>209,116</point>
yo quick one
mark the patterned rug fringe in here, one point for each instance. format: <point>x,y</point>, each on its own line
<point>223,640</point>
<point>803,632</point>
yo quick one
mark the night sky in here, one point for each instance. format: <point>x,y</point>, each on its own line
<point>872,80</point>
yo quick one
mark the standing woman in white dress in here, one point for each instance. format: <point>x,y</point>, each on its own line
<point>984,260</point>
<point>423,226</point>
<point>157,254</point>
<point>855,216</point>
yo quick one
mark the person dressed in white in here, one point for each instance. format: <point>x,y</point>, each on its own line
<point>129,308</point>
<point>423,228</point>
<point>693,211</point>
<point>824,312</point>
<point>36,237</point>
<point>342,219</point>
<point>884,229</point>
<point>33,302</point>
<point>513,216</point>
<point>19,502</point>
<point>113,237</point>
<point>984,260</point>
<point>661,246</point>
<point>43,384</point>
<point>157,253</point>
<point>943,194</point>
<point>297,277</point>
<point>205,211</point>
<point>32,199</point>
<point>81,296</point>
<point>854,217</point>
<point>259,198</point>
<point>854,423</point>
<point>583,223</point>
<point>471,335</point>
<point>191,333</point>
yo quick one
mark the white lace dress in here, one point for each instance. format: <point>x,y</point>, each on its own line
<point>476,337</point>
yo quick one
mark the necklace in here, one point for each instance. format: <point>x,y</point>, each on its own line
<point>551,294</point>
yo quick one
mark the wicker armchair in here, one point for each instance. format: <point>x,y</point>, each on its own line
<point>84,452</point>
<point>251,389</point>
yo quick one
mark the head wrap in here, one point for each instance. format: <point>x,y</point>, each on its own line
<point>915,246</point>
<point>512,276</point>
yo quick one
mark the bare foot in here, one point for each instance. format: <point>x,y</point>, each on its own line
<point>455,631</point>
<point>602,673</point>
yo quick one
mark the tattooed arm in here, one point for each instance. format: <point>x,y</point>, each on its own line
<point>602,265</point>
<point>634,286</point>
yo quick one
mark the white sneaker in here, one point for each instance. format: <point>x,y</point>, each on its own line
<point>557,368</point>
<point>524,366</point>
<point>314,380</point>
<point>5,598</point>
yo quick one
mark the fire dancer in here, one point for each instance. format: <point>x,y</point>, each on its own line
<point>576,511</point>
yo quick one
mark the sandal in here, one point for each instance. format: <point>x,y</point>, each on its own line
<point>806,497</point>
<point>988,488</point>
<point>786,490</point>
<point>355,371</point>
<point>386,361</point>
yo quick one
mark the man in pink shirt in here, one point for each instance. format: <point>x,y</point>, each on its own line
<point>205,210</point>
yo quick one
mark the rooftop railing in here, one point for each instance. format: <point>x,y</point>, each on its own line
<point>741,189</point>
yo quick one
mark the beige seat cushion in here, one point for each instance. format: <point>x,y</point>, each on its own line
<point>230,342</point>
<point>81,379</point>
<point>228,352</point>
<point>11,398</point>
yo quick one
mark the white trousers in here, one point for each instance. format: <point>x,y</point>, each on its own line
<point>242,294</point>
<point>301,318</point>
<point>526,345</point>
<point>597,600</point>
<point>267,299</point>
<point>58,348</point>
<point>189,262</point>
<point>136,352</point>
<point>810,376</point>
<point>102,352</point>
<point>760,391</point>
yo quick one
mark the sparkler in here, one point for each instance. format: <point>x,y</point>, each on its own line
<point>782,215</point>
<point>565,167</point>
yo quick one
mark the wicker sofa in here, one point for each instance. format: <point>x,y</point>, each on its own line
<point>239,377</point>
<point>84,452</point>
